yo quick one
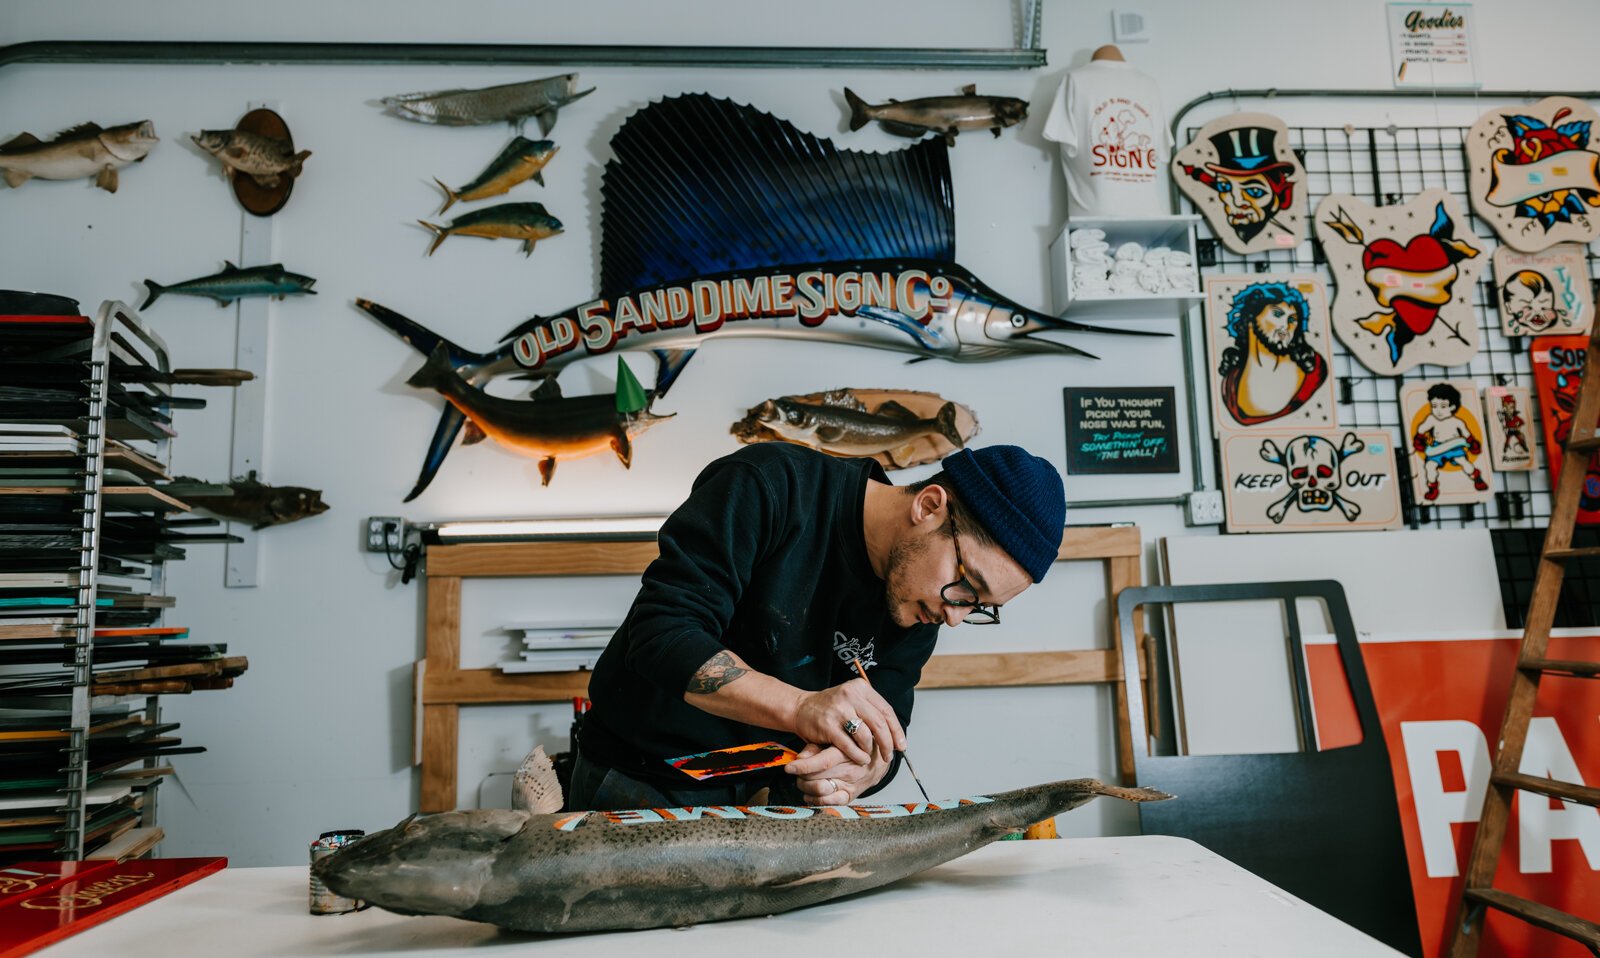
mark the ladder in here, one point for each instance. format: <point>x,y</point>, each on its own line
<point>1478,893</point>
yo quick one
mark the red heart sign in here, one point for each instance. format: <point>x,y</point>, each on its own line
<point>1423,254</point>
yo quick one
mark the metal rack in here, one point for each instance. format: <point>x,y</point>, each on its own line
<point>1386,165</point>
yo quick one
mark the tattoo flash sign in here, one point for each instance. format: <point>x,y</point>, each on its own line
<point>1240,173</point>
<point>1545,293</point>
<point>1269,346</point>
<point>1310,481</point>
<point>1534,173</point>
<point>1403,280</point>
<point>1448,455</point>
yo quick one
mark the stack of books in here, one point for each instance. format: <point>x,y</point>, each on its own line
<point>559,647</point>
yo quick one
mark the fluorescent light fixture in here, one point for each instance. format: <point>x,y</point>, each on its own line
<point>620,528</point>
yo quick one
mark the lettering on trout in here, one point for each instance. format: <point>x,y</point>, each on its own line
<point>650,816</point>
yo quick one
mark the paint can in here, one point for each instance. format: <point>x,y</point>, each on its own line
<point>324,901</point>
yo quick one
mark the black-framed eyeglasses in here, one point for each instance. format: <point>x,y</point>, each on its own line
<point>964,595</point>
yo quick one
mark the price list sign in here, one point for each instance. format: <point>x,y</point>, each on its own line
<point>1431,44</point>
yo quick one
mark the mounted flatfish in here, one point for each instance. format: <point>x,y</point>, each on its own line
<point>508,103</point>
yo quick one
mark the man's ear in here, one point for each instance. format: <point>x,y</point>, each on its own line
<point>929,504</point>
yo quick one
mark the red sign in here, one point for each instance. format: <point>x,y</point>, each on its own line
<point>1440,702</point>
<point>66,899</point>
<point>1557,372</point>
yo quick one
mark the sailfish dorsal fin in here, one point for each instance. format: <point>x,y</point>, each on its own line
<point>741,189</point>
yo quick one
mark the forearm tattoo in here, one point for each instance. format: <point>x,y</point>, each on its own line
<point>718,671</point>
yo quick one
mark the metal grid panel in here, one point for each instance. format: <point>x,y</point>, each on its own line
<point>1385,166</point>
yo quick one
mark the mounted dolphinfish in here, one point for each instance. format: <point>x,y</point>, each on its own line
<point>719,221</point>
<point>534,869</point>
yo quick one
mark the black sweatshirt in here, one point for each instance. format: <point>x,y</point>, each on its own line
<point>766,558</point>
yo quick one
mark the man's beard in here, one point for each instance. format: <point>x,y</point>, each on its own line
<point>1273,346</point>
<point>897,588</point>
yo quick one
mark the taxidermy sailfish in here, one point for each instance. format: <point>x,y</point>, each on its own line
<point>719,220</point>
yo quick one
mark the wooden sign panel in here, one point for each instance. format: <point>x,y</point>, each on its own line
<point>1121,430</point>
<point>1403,277</point>
<point>1508,413</point>
<point>1545,293</point>
<point>1558,364</point>
<point>1270,350</point>
<point>1240,173</point>
<point>1448,456</point>
<point>1534,173</point>
<point>1311,481</point>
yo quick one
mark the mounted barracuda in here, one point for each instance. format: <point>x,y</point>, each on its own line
<point>533,868</point>
<point>719,220</point>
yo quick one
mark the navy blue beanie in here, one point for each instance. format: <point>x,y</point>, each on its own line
<point>1017,497</point>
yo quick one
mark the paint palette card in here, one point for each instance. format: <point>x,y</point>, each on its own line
<point>1534,172</point>
<point>1403,280</point>
<point>733,761</point>
<point>1545,293</point>
<point>1447,442</point>
<point>1508,412</point>
<point>1269,352</point>
<point>1242,176</point>
<point>1558,367</point>
<point>1312,481</point>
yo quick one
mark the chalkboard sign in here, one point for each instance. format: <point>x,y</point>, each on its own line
<point>1121,430</point>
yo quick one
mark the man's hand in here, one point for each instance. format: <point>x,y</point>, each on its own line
<point>826,777</point>
<point>822,717</point>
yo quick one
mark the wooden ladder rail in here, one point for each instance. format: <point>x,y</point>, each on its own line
<point>442,686</point>
<point>1478,893</point>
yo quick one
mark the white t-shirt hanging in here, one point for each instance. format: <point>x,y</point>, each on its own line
<point>1107,116</point>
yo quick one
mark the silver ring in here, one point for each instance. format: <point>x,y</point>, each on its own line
<point>833,786</point>
<point>851,726</point>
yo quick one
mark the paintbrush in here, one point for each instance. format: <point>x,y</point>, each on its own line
<point>904,756</point>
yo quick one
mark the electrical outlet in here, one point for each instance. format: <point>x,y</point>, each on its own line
<point>386,534</point>
<point>1204,508</point>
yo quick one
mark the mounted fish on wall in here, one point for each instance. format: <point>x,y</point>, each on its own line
<point>900,428</point>
<point>1241,175</point>
<point>1546,293</point>
<point>945,116</point>
<point>1507,411</point>
<point>249,500</point>
<point>235,283</point>
<point>84,150</point>
<point>1448,465</point>
<point>522,160</point>
<point>1403,280</point>
<point>693,250</point>
<point>1267,336</point>
<point>528,222</point>
<point>1323,480</point>
<point>510,103</point>
<point>260,159</point>
<point>1534,173</point>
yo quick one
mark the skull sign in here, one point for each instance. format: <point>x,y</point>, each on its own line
<point>1315,471</point>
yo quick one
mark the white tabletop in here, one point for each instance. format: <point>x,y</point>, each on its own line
<point>1149,895</point>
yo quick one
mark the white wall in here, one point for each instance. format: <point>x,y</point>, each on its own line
<point>317,734</point>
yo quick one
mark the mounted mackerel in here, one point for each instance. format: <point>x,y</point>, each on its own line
<point>534,869</point>
<point>235,283</point>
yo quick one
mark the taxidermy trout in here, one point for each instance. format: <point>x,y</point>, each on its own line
<point>761,230</point>
<point>548,426</point>
<point>249,500</point>
<point>533,868</point>
<point>84,150</point>
<point>508,103</point>
<point>522,160</point>
<point>235,283</point>
<point>944,115</point>
<point>847,429</point>
<point>262,158</point>
<point>528,222</point>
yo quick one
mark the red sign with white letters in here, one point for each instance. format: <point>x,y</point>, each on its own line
<point>1440,702</point>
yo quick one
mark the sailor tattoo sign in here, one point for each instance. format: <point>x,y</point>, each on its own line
<point>1241,175</point>
<point>1534,173</point>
